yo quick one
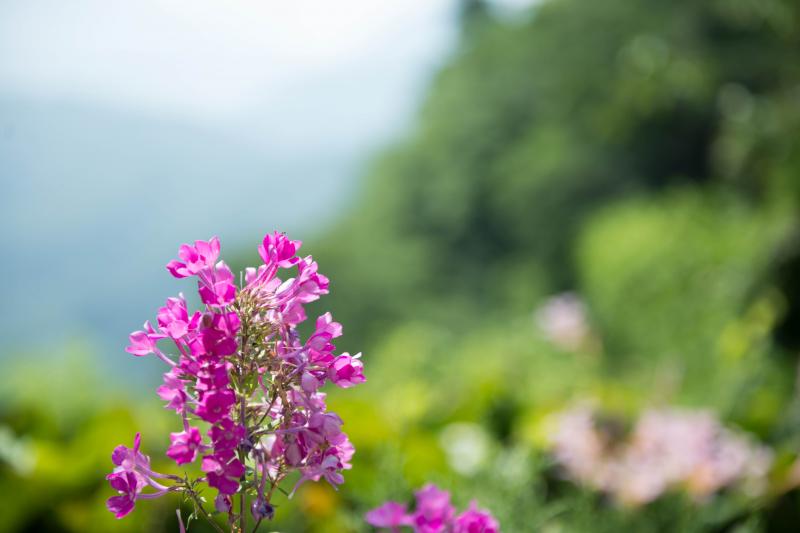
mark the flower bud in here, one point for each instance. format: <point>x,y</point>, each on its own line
<point>261,509</point>
<point>223,503</point>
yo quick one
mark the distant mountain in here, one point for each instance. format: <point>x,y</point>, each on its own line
<point>95,201</point>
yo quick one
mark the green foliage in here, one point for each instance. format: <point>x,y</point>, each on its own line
<point>534,126</point>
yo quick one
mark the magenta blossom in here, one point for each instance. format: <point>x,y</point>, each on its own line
<point>226,435</point>
<point>216,285</point>
<point>245,385</point>
<point>128,487</point>
<point>131,475</point>
<point>172,391</point>
<point>278,250</point>
<point>195,258</point>
<point>131,459</point>
<point>347,370</point>
<point>184,445</point>
<point>475,520</point>
<point>144,342</point>
<point>434,511</point>
<point>173,318</point>
<point>216,405</point>
<point>223,473</point>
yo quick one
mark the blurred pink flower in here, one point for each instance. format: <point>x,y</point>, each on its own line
<point>475,520</point>
<point>390,515</point>
<point>434,514</point>
<point>667,449</point>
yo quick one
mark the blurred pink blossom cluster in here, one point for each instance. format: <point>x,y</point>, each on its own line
<point>563,321</point>
<point>667,449</point>
<point>433,514</point>
<point>245,385</point>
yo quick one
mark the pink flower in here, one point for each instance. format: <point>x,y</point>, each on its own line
<point>212,376</point>
<point>475,520</point>
<point>327,425</point>
<point>327,464</point>
<point>434,512</point>
<point>223,475</point>
<point>174,318</point>
<point>226,435</point>
<point>128,487</point>
<point>217,335</point>
<point>131,459</point>
<point>309,382</point>
<point>277,249</point>
<point>195,258</point>
<point>347,371</point>
<point>390,515</point>
<point>131,474</point>
<point>184,445</point>
<point>216,405</point>
<point>326,330</point>
<point>666,449</point>
<point>172,390</point>
<point>283,425</point>
<point>307,287</point>
<point>310,284</point>
<point>144,342</point>
<point>216,285</point>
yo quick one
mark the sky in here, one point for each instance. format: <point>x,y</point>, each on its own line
<point>129,127</point>
<point>218,62</point>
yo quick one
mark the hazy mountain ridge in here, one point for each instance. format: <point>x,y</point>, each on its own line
<point>124,189</point>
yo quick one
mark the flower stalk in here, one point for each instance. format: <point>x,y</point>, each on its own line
<point>244,384</point>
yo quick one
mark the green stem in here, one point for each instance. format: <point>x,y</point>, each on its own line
<point>199,506</point>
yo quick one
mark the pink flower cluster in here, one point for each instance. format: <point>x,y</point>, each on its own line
<point>434,514</point>
<point>667,449</point>
<point>245,385</point>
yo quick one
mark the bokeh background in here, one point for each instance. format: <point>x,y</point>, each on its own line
<point>523,206</point>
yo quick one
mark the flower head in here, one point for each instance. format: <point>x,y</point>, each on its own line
<point>226,435</point>
<point>216,405</point>
<point>195,258</point>
<point>434,511</point>
<point>128,487</point>
<point>347,371</point>
<point>131,459</point>
<point>279,250</point>
<point>184,445</point>
<point>223,473</point>
<point>475,520</point>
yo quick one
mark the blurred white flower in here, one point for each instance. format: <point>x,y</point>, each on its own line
<point>562,319</point>
<point>466,445</point>
<point>16,453</point>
